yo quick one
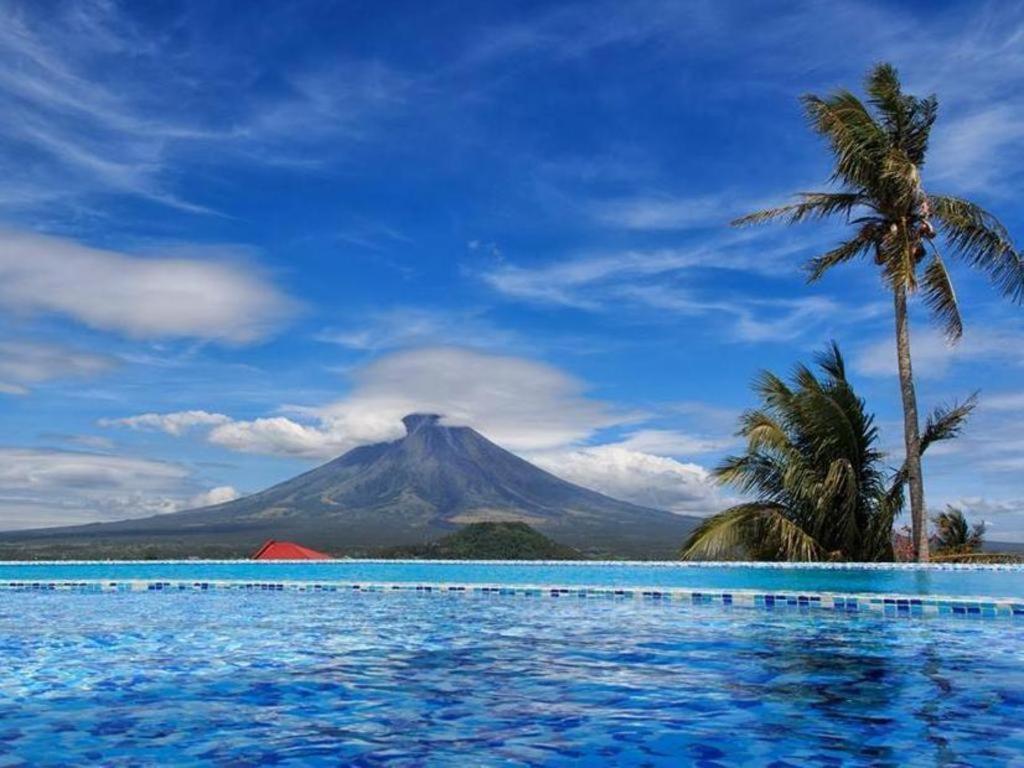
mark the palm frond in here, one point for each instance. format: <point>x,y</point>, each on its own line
<point>857,141</point>
<point>763,432</point>
<point>947,421</point>
<point>812,205</point>
<point>915,140</point>
<point>757,527</point>
<point>831,361</point>
<point>979,238</point>
<point>907,119</point>
<point>813,469</point>
<point>851,249</point>
<point>886,94</point>
<point>756,473</point>
<point>940,297</point>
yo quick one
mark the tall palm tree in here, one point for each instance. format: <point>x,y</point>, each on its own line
<point>955,536</point>
<point>879,149</point>
<point>813,466</point>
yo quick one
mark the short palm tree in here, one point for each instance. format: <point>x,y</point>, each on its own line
<point>879,149</point>
<point>954,535</point>
<point>813,467</point>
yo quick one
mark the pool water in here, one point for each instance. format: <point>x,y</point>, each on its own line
<point>401,678</point>
<point>997,581</point>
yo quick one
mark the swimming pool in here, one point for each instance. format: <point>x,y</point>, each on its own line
<point>1004,581</point>
<point>476,678</point>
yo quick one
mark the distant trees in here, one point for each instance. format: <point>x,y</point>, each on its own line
<point>955,536</point>
<point>878,150</point>
<point>815,471</point>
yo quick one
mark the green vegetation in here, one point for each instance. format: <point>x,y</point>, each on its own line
<point>813,465</point>
<point>879,149</point>
<point>955,536</point>
<point>490,541</point>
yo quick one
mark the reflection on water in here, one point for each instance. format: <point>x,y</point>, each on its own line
<point>213,678</point>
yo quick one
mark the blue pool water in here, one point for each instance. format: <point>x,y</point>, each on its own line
<point>401,678</point>
<point>992,582</point>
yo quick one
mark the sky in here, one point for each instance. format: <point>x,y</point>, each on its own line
<point>235,245</point>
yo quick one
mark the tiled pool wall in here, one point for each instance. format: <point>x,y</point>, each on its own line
<point>896,606</point>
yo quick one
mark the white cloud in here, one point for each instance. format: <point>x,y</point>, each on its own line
<point>664,213</point>
<point>146,298</point>
<point>668,442</point>
<point>1006,401</point>
<point>24,363</point>
<point>933,356</point>
<point>44,487</point>
<point>81,124</point>
<point>27,468</point>
<point>405,327</point>
<point>966,147</point>
<point>282,436</point>
<point>219,495</point>
<point>40,488</point>
<point>669,281</point>
<point>176,423</point>
<point>521,404</point>
<point>1003,518</point>
<point>579,282</point>
<point>641,478</point>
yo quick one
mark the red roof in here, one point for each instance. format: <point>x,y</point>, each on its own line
<point>287,550</point>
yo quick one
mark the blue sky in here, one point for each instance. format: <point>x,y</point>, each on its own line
<point>233,246</point>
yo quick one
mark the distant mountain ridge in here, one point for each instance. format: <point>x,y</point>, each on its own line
<point>410,491</point>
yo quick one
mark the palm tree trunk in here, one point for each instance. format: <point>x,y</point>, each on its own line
<point>911,429</point>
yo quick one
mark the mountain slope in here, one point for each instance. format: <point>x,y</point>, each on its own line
<point>410,491</point>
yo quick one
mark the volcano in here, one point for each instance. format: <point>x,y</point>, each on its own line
<point>411,491</point>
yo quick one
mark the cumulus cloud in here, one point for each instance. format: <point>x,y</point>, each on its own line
<point>219,495</point>
<point>24,363</point>
<point>529,407</point>
<point>282,436</point>
<point>641,478</point>
<point>138,297</point>
<point>175,423</point>
<point>520,403</point>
